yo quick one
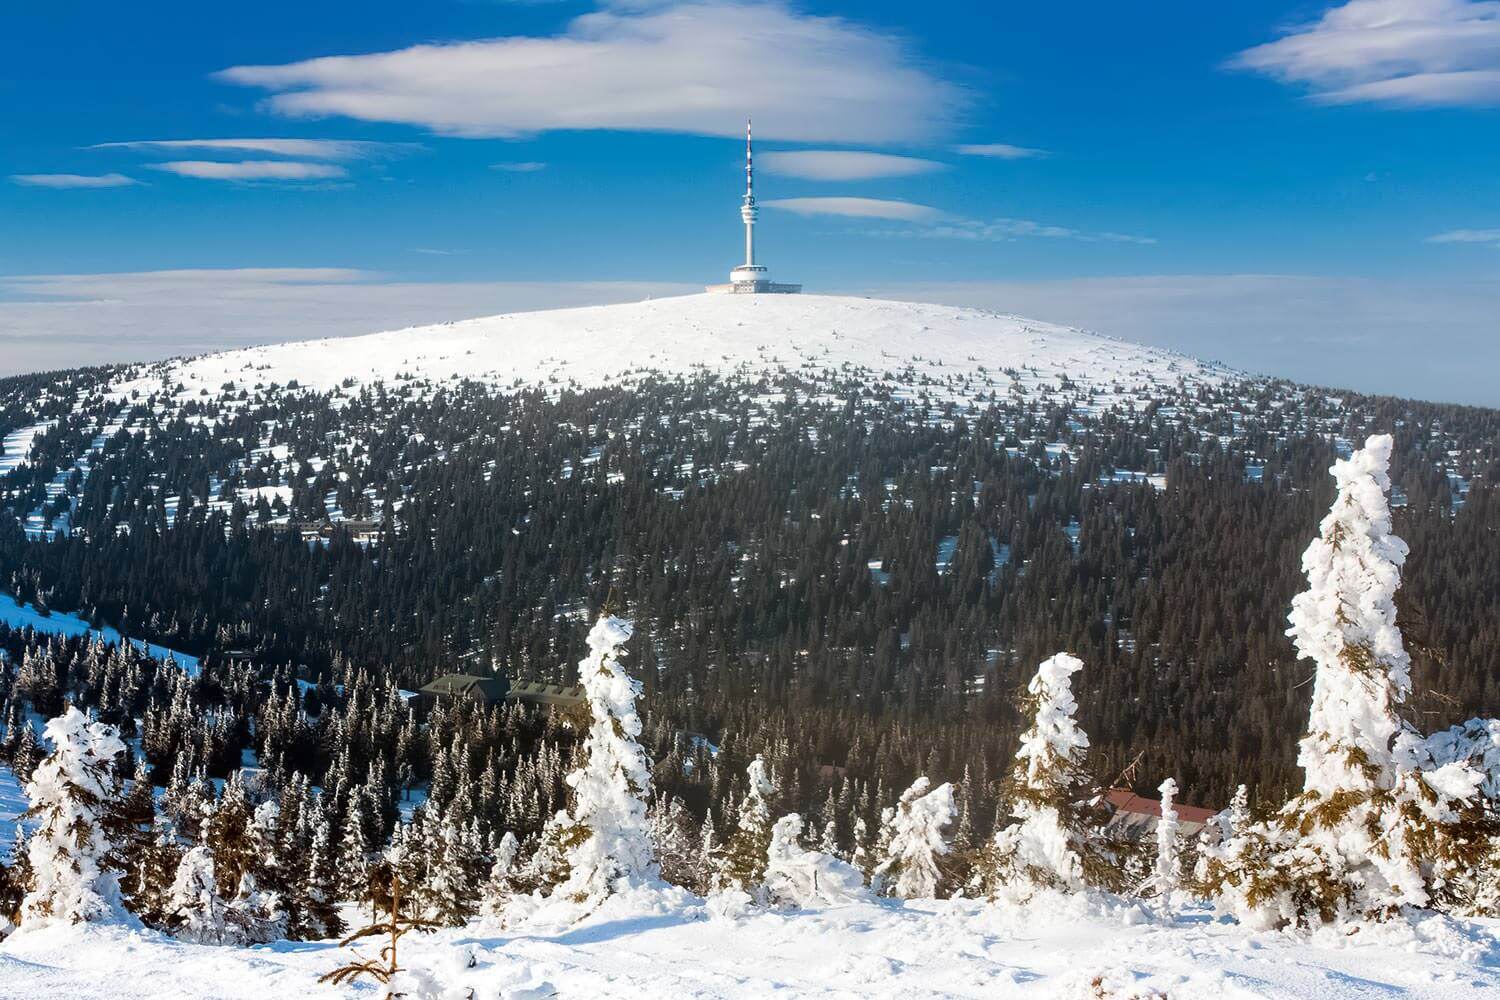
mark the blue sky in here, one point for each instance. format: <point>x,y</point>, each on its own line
<point>1308,189</point>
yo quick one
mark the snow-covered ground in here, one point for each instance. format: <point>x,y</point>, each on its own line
<point>18,615</point>
<point>727,334</point>
<point>1057,948</point>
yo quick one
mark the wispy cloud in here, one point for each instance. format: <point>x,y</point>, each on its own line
<point>519,166</point>
<point>74,180</point>
<point>60,320</point>
<point>1004,230</point>
<point>999,151</point>
<point>311,149</point>
<point>844,165</point>
<point>1414,53</point>
<point>934,223</point>
<point>696,67</point>
<point>1489,236</point>
<point>252,170</point>
<point>858,208</point>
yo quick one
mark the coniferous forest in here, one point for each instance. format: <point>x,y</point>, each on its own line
<point>856,577</point>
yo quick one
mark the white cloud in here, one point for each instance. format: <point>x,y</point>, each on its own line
<point>312,149</point>
<point>858,208</point>
<point>844,165</point>
<point>249,170</point>
<point>694,67</point>
<point>73,180</point>
<point>1423,339</point>
<point>1415,53</point>
<point>65,320</point>
<point>1490,236</point>
<point>519,166</point>
<point>999,151</point>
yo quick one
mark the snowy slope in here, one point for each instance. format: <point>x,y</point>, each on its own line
<point>19,616</point>
<point>12,805</point>
<point>1066,948</point>
<point>726,334</point>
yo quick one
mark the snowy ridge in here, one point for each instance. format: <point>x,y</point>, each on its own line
<point>724,334</point>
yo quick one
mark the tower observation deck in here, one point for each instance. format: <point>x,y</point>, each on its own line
<point>751,278</point>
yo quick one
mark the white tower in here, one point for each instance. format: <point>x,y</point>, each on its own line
<point>750,277</point>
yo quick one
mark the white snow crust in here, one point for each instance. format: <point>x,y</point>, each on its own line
<point>724,334</point>
<point>667,944</point>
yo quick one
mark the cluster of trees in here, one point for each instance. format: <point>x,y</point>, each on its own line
<point>1388,817</point>
<point>743,521</point>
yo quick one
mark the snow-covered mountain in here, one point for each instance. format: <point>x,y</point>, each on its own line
<point>906,343</point>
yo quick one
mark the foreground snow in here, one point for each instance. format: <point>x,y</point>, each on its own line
<point>672,945</point>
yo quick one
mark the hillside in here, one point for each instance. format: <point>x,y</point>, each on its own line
<point>843,523</point>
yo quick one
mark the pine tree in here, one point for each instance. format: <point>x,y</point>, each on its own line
<point>228,835</point>
<point>319,910</point>
<point>742,864</point>
<point>1382,820</point>
<point>1055,842</point>
<point>28,753</point>
<point>71,792</point>
<point>910,868</point>
<point>194,908</point>
<point>501,884</point>
<point>152,877</point>
<point>1167,874</point>
<point>353,869</point>
<point>611,837</point>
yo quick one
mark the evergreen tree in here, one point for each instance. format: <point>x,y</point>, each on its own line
<point>611,837</point>
<point>910,868</point>
<point>1381,821</point>
<point>71,793</point>
<point>742,864</point>
<point>1055,842</point>
<point>501,884</point>
<point>194,908</point>
<point>1167,874</point>
<point>318,896</point>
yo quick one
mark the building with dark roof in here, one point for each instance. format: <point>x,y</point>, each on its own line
<point>495,688</point>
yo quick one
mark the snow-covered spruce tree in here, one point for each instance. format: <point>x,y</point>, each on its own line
<point>741,864</point>
<point>501,884</point>
<point>128,824</point>
<point>1379,824</point>
<point>910,867</point>
<point>1166,877</point>
<point>71,791</point>
<point>677,845</point>
<point>1056,841</point>
<point>612,838</point>
<point>796,877</point>
<point>319,889</point>
<point>194,908</point>
<point>1216,835</point>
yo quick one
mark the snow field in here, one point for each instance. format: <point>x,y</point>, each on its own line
<point>671,945</point>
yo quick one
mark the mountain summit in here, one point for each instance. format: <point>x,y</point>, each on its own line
<point>952,352</point>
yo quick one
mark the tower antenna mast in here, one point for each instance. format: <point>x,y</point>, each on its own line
<point>748,211</point>
<point>751,278</point>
